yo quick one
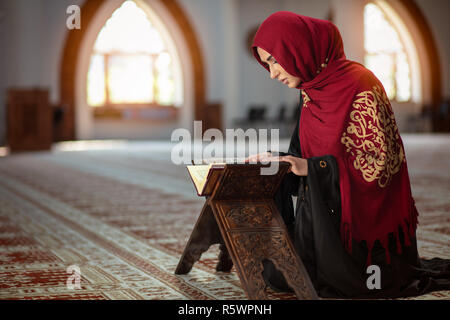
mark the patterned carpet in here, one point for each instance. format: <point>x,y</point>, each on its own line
<point>122,213</point>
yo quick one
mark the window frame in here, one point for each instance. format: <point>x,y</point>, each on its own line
<point>116,110</point>
<point>405,49</point>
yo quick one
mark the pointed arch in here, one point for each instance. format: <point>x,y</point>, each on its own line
<point>426,36</point>
<point>417,24</point>
<point>70,61</point>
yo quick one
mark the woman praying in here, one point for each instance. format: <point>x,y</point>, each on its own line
<point>348,170</point>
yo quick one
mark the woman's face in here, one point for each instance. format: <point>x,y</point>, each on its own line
<point>276,71</point>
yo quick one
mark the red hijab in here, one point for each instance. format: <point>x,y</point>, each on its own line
<point>346,114</point>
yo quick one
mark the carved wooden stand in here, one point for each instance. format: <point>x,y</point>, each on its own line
<point>241,216</point>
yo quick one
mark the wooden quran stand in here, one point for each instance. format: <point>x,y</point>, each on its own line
<point>240,215</point>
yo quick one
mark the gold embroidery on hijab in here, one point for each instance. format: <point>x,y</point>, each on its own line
<point>372,137</point>
<point>305,98</point>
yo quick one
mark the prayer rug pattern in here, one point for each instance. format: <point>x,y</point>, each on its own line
<point>123,216</point>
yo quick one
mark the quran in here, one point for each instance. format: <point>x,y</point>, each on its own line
<point>241,216</point>
<point>205,176</point>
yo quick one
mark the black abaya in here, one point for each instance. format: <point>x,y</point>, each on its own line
<point>315,231</point>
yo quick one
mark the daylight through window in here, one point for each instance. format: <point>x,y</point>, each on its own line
<point>130,63</point>
<point>385,54</point>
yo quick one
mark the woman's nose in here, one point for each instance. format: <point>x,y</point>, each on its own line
<point>273,73</point>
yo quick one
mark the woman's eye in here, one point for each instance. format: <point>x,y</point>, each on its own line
<point>274,62</point>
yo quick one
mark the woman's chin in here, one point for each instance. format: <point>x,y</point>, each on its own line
<point>294,84</point>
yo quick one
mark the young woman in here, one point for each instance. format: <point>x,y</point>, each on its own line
<point>349,171</point>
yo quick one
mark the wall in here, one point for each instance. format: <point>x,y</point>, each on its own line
<point>32,34</point>
<point>31,38</point>
<point>436,12</point>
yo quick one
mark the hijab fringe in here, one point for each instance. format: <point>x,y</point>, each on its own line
<point>407,228</point>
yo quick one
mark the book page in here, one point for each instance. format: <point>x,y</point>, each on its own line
<point>199,173</point>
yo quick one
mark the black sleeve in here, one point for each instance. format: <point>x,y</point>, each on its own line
<point>323,176</point>
<point>283,199</point>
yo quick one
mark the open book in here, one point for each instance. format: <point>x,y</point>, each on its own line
<point>205,176</point>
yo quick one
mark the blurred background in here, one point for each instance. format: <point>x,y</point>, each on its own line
<point>113,69</point>
<point>91,91</point>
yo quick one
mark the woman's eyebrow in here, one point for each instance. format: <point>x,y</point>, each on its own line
<point>269,58</point>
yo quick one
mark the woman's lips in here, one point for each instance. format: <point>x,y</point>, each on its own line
<point>285,81</point>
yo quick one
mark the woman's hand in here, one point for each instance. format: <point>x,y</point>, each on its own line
<point>258,157</point>
<point>299,166</point>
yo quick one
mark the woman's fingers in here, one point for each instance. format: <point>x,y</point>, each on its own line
<point>286,159</point>
<point>270,159</point>
<point>253,158</point>
<point>266,157</point>
<point>258,157</point>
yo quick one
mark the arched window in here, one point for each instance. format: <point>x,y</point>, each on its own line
<point>130,64</point>
<point>386,54</point>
